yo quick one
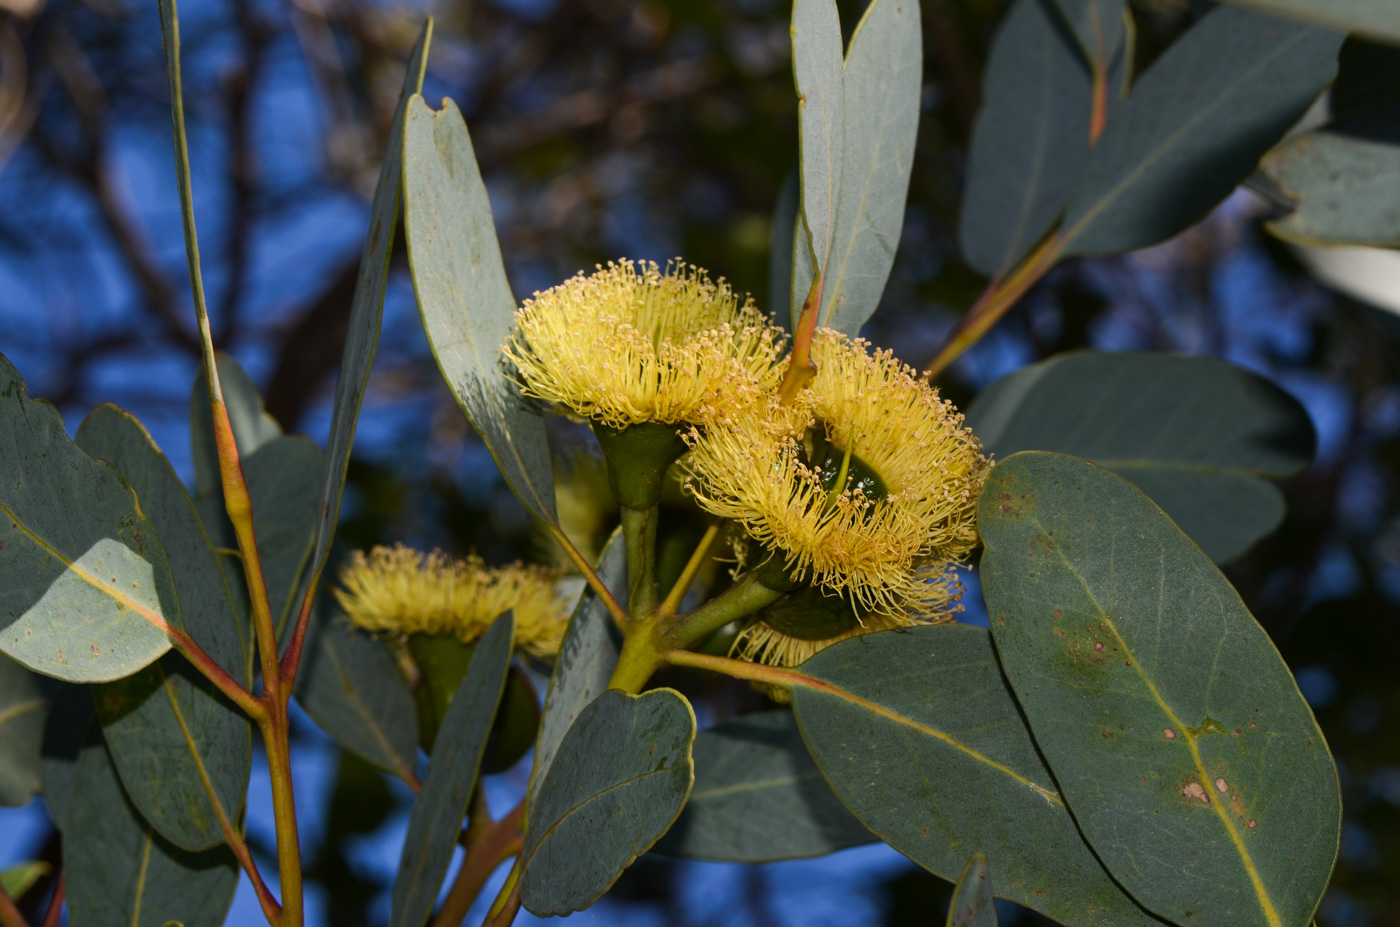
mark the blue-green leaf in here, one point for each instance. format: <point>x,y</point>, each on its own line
<point>1194,126</point>
<point>85,588</point>
<point>173,737</point>
<point>620,778</point>
<point>464,297</point>
<point>436,820</point>
<point>1187,755</point>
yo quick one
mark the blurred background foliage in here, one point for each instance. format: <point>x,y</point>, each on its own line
<point>650,129</point>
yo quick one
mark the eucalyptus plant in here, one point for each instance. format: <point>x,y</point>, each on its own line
<point>1122,746</point>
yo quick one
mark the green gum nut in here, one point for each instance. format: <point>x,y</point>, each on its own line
<point>811,615</point>
<point>638,457</point>
<point>442,665</point>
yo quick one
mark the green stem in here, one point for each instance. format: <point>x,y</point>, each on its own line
<point>672,604</point>
<point>742,599</point>
<point>646,647</point>
<point>639,532</point>
<point>507,903</point>
<point>276,738</point>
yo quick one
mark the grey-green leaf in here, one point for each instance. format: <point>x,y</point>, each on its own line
<point>172,736</point>
<point>366,310</point>
<point>464,297</point>
<point>917,733</point>
<point>85,588</point>
<point>24,705</point>
<point>252,426</point>
<point>1344,180</point>
<point>620,778</point>
<point>758,797</point>
<point>1194,126</point>
<point>1198,435</point>
<point>120,873</point>
<point>817,71</point>
<point>1032,132</point>
<point>972,904</point>
<point>882,87</point>
<point>436,820</point>
<point>585,663</point>
<point>1379,19</point>
<point>1186,752</point>
<point>284,482</point>
<point>351,685</point>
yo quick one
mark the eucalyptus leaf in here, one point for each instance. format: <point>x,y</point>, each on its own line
<point>1194,126</point>
<point>173,737</point>
<point>1187,754</point>
<point>758,797</point>
<point>1032,132</point>
<point>465,299</point>
<point>972,904</point>
<point>917,733</point>
<point>620,778</point>
<point>1344,180</point>
<point>120,873</point>
<point>1198,435</point>
<point>85,589</point>
<point>366,310</point>
<point>284,483</point>
<point>817,70</point>
<point>1379,19</point>
<point>24,706</point>
<point>436,820</point>
<point>881,88</point>
<point>247,416</point>
<point>351,685</point>
<point>585,663</point>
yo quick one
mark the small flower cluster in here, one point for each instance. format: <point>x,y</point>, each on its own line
<point>630,344</point>
<point>399,590</point>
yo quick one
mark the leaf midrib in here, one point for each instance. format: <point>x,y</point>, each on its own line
<point>83,574</point>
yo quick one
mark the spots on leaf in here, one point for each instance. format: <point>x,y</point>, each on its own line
<point>1195,792</point>
<point>1169,733</point>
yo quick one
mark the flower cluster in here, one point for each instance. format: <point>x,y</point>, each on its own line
<point>399,590</point>
<point>858,489</point>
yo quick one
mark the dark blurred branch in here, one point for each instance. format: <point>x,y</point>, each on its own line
<point>90,168</point>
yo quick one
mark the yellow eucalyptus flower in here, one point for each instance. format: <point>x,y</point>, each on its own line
<point>399,590</point>
<point>631,344</point>
<point>864,486</point>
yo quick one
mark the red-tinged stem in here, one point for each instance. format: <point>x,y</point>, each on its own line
<point>188,648</point>
<point>742,669</point>
<point>488,843</point>
<point>595,582</point>
<point>9,914</point>
<point>291,658</point>
<point>271,909</point>
<point>55,911</point>
<point>239,505</point>
<point>800,368</point>
<point>994,303</point>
